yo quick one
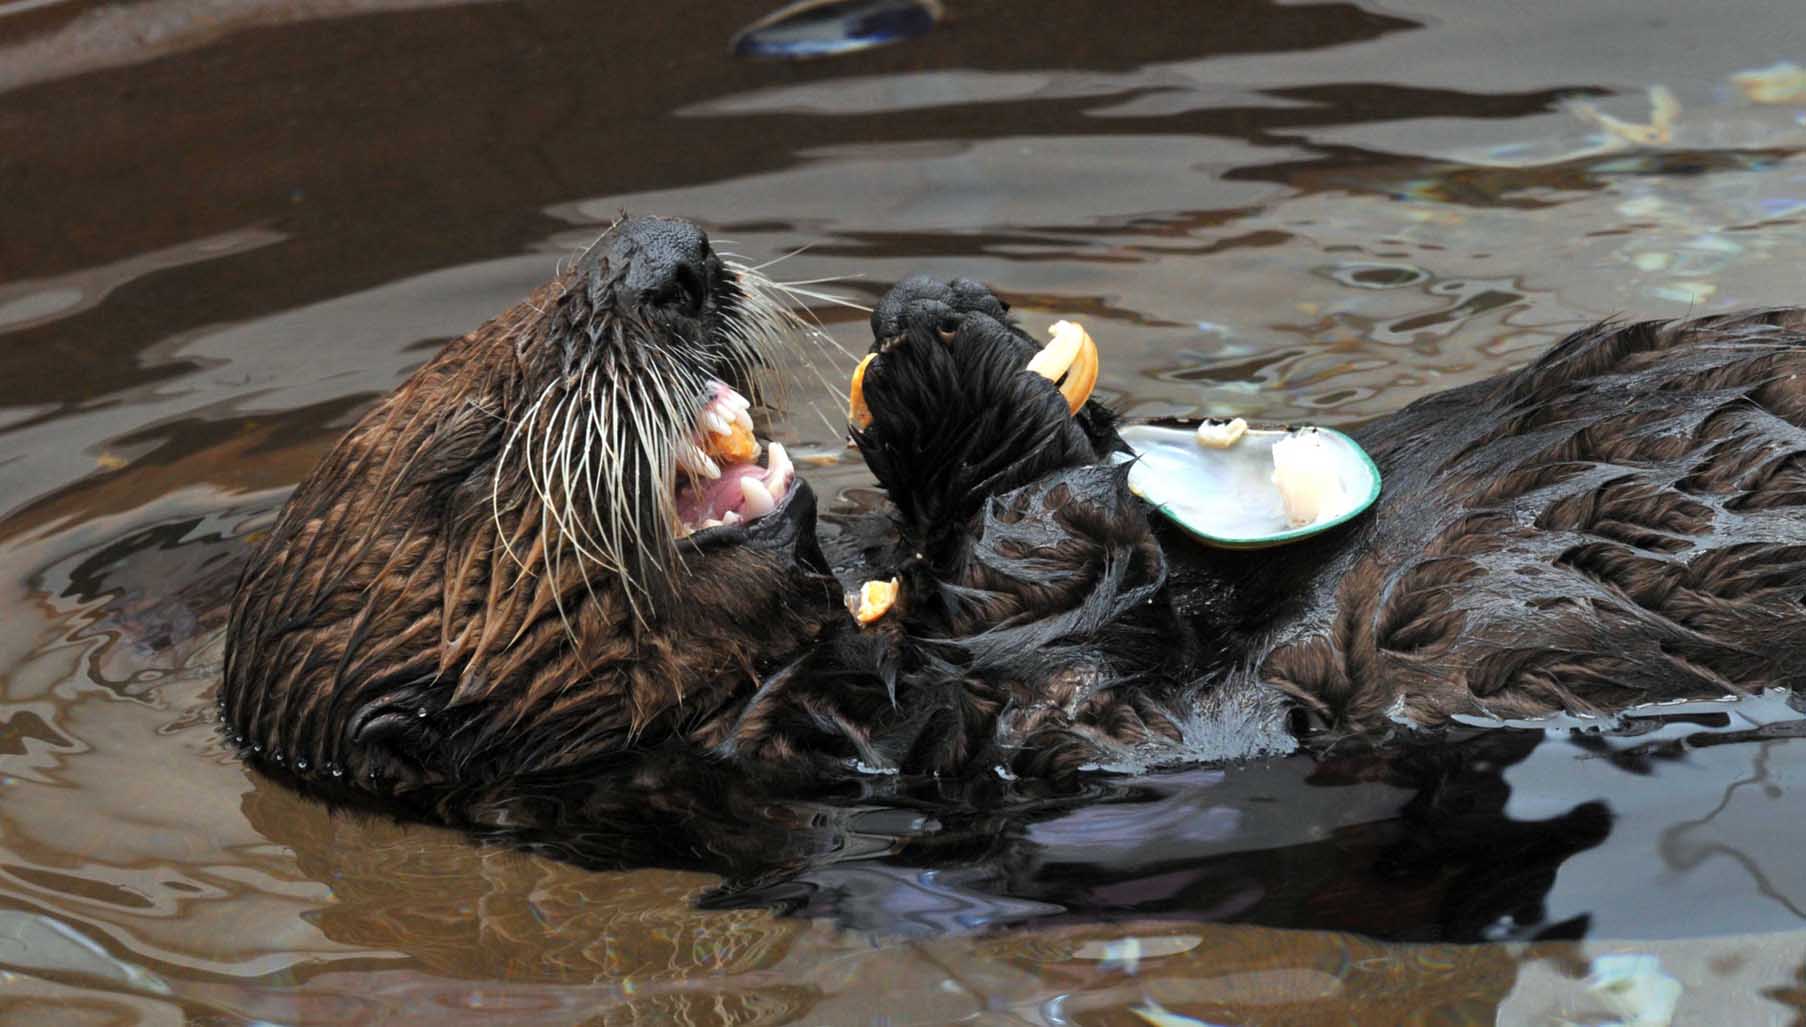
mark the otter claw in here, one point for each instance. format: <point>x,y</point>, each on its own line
<point>857,411</point>
<point>1069,359</point>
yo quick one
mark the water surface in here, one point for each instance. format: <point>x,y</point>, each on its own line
<point>227,227</point>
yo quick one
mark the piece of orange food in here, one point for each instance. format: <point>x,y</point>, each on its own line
<point>873,600</point>
<point>738,446</point>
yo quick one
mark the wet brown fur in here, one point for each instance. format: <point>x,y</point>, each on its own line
<point>1619,523</point>
<point>397,628</point>
<point>1613,525</point>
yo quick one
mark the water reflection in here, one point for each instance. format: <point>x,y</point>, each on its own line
<point>1427,840</point>
<point>1312,210</point>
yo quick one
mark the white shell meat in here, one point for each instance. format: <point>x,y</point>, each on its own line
<point>1261,487</point>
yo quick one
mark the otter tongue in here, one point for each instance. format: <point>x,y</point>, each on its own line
<point>714,499</point>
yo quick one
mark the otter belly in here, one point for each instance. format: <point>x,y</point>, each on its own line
<point>1622,522</point>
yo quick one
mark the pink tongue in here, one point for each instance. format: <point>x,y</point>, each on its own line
<point>701,500</point>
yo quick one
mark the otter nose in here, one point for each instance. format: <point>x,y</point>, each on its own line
<point>666,261</point>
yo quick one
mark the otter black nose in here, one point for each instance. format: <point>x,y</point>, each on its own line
<point>667,262</point>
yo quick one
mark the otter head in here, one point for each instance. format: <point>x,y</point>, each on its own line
<point>556,538</point>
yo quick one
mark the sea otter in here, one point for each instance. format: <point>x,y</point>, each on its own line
<point>524,558</point>
<point>1621,522</point>
<point>526,561</point>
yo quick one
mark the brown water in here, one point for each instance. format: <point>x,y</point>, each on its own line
<point>226,226</point>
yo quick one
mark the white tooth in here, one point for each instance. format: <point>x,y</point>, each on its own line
<point>728,397</point>
<point>696,461</point>
<point>778,470</point>
<point>742,419</point>
<point>731,517</point>
<point>711,523</point>
<point>716,423</point>
<point>758,497</point>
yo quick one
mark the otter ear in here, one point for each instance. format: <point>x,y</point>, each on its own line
<point>857,411</point>
<point>1070,355</point>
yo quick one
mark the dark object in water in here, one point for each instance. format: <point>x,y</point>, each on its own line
<point>830,28</point>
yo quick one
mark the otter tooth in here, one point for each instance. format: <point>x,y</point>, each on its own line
<point>729,398</point>
<point>778,469</point>
<point>696,461</point>
<point>743,419</point>
<point>731,517</point>
<point>758,498</point>
<point>714,422</point>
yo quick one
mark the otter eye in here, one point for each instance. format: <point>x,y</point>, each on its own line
<point>948,328</point>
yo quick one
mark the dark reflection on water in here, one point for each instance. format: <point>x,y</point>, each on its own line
<point>228,227</point>
<point>1485,834</point>
<point>1412,842</point>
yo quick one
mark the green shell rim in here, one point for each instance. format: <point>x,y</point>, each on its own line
<point>1290,535</point>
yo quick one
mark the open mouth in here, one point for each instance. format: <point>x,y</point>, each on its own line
<point>725,475</point>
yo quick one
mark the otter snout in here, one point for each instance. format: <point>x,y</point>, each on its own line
<point>662,264</point>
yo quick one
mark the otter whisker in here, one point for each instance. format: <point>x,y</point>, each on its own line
<point>401,636</point>
<point>761,318</point>
<point>809,328</point>
<point>560,523</point>
<point>576,528</point>
<point>540,473</point>
<point>766,319</point>
<point>825,297</point>
<point>615,451</point>
<point>601,458</point>
<point>495,492</point>
<point>552,559</point>
<point>595,434</point>
<point>800,250</point>
<point>792,286</point>
<point>579,413</point>
<point>650,417</point>
<point>784,315</point>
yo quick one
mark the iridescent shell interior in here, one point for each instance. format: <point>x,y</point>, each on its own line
<point>1227,496</point>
